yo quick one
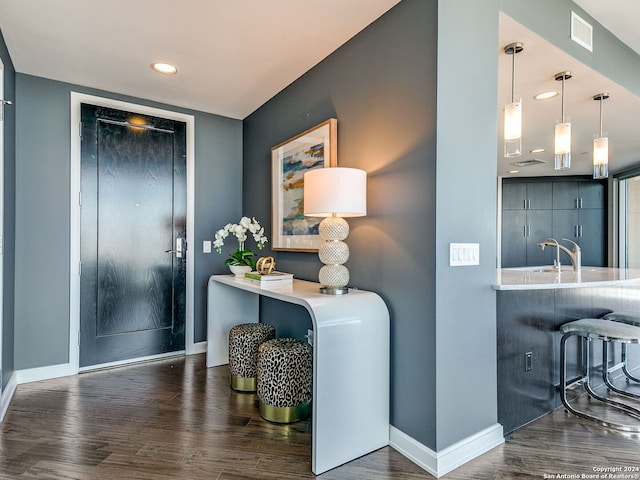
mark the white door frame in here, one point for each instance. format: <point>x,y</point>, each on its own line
<point>74,265</point>
<point>3,106</point>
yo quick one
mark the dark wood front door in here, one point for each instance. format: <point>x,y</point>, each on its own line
<point>133,231</point>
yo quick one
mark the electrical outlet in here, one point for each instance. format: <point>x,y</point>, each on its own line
<point>528,361</point>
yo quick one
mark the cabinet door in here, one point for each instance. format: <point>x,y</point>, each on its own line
<point>539,196</point>
<point>514,242</point>
<point>591,195</point>
<point>565,195</point>
<point>566,225</point>
<point>593,238</point>
<point>514,196</point>
<point>539,228</point>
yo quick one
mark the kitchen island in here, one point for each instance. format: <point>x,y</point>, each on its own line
<point>532,303</point>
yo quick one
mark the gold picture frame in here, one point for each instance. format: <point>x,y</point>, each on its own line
<point>313,148</point>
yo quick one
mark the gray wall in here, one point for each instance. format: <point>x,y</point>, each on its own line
<point>466,386</point>
<point>42,211</point>
<point>9,126</point>
<point>381,86</point>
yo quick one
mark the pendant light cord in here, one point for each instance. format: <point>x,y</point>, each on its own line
<point>513,74</point>
<point>562,99</point>
<point>601,98</point>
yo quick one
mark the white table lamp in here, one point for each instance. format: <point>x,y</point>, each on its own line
<point>334,193</point>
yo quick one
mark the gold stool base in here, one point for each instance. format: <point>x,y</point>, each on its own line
<point>244,384</point>
<point>285,414</point>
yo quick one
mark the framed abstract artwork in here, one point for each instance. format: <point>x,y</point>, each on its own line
<point>314,148</point>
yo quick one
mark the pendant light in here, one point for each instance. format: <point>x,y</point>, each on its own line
<point>601,146</point>
<point>563,133</point>
<point>513,110</point>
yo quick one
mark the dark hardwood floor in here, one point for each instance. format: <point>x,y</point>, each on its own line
<point>176,419</point>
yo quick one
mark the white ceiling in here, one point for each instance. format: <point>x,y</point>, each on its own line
<point>231,55</point>
<point>234,55</point>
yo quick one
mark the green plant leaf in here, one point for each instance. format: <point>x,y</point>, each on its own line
<point>241,257</point>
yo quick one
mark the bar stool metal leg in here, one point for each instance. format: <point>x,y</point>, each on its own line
<point>586,373</point>
<point>605,372</point>
<point>625,368</point>
<point>630,318</point>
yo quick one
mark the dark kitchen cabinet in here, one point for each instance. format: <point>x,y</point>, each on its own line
<point>572,208</point>
<point>522,230</point>
<point>527,196</point>
<point>578,195</point>
<point>526,221</point>
<point>579,215</point>
<point>585,227</point>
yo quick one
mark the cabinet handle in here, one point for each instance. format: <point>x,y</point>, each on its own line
<point>524,204</point>
<point>524,231</point>
<point>575,202</point>
<point>575,231</point>
<point>580,231</point>
<point>529,203</point>
<point>580,202</point>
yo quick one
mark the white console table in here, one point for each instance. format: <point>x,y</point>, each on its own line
<point>350,360</point>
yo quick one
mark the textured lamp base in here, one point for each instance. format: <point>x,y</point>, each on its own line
<point>333,276</point>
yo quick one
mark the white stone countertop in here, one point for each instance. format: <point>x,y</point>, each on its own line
<point>545,277</point>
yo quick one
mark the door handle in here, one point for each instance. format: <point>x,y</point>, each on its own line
<point>181,247</point>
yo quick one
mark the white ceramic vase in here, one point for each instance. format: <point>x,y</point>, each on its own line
<point>239,270</point>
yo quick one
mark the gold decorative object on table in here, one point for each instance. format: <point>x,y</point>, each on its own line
<point>265,265</point>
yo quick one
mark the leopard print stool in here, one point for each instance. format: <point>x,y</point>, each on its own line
<point>285,380</point>
<point>244,340</point>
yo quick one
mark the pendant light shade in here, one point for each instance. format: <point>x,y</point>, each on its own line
<point>563,133</point>
<point>600,145</point>
<point>513,110</point>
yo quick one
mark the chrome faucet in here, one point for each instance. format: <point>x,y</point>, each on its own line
<point>575,255</point>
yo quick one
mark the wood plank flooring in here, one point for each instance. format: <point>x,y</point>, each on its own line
<point>176,419</point>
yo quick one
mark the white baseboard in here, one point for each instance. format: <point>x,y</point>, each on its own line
<point>7,395</point>
<point>441,463</point>
<point>66,369</point>
<point>196,348</point>
<point>44,373</point>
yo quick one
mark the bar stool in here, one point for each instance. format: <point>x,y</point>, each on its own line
<point>285,380</point>
<point>632,318</point>
<point>244,340</point>
<point>607,331</point>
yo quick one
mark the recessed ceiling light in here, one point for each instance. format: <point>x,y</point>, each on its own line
<point>165,68</point>
<point>537,150</point>
<point>514,171</point>
<point>545,95</point>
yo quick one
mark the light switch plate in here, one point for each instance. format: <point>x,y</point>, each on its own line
<point>464,254</point>
<point>206,246</point>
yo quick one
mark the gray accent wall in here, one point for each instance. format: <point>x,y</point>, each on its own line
<point>402,96</point>
<point>42,211</point>
<point>466,359</point>
<point>9,126</point>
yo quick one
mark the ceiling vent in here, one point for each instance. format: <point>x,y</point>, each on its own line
<point>528,163</point>
<point>581,32</point>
